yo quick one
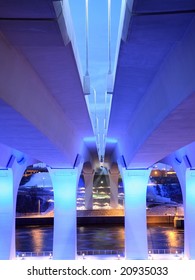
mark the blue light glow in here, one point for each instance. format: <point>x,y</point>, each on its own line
<point>65,186</point>
<point>189,237</point>
<point>135,187</point>
<point>7,212</point>
<point>97,36</point>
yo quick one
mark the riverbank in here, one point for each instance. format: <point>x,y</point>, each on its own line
<point>91,220</point>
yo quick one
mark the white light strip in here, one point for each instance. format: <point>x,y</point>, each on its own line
<point>87,35</point>
<point>105,124</point>
<point>105,112</point>
<point>109,36</point>
<point>97,124</point>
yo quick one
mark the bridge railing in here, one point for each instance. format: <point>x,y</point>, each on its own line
<point>170,251</point>
<point>34,254</point>
<point>120,253</point>
<point>100,252</point>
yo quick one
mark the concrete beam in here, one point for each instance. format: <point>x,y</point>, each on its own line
<point>23,90</point>
<point>164,120</point>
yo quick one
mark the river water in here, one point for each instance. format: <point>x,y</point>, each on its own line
<point>40,238</point>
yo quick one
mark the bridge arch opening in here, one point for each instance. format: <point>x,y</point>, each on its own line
<point>34,212</point>
<point>164,202</point>
<point>164,210</point>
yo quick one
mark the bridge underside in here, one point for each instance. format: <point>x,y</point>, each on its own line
<point>44,113</point>
<point>140,110</point>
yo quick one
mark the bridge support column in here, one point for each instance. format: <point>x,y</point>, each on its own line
<point>65,183</point>
<point>88,174</point>
<point>189,207</point>
<point>113,178</point>
<point>135,187</point>
<point>88,178</point>
<point>186,178</point>
<point>10,178</point>
<point>114,190</point>
<point>7,213</point>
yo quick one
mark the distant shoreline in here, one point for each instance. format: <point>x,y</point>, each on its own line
<point>91,220</point>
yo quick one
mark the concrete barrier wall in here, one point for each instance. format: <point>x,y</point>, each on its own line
<point>160,219</point>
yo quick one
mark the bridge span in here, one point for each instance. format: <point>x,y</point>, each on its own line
<point>96,84</point>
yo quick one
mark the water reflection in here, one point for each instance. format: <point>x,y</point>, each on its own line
<point>165,237</point>
<point>174,238</point>
<point>38,238</point>
<point>34,238</point>
<point>100,238</point>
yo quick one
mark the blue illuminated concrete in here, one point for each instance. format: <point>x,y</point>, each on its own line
<point>150,115</point>
<point>153,100</point>
<point>96,38</point>
<point>10,177</point>
<point>6,213</point>
<point>183,162</point>
<point>135,186</point>
<point>65,183</point>
<point>189,236</point>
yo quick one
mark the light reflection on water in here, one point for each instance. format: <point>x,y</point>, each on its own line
<point>100,238</point>
<point>165,237</point>
<point>34,238</point>
<point>39,238</point>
